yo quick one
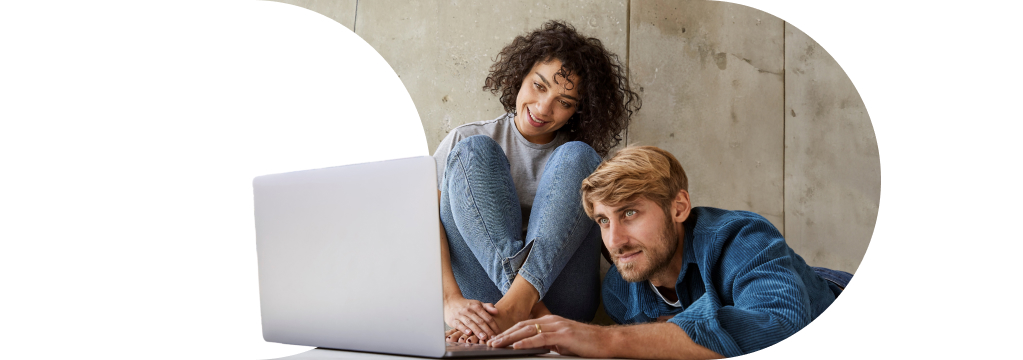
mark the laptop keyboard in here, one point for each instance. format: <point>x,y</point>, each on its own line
<point>456,347</point>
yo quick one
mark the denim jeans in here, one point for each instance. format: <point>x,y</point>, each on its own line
<point>482,217</point>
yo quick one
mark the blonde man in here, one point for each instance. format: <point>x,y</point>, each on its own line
<point>694,283</point>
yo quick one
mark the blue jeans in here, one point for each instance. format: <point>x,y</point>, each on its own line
<point>480,212</point>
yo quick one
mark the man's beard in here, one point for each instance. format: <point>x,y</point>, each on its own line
<point>658,257</point>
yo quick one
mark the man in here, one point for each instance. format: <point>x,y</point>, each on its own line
<point>696,282</point>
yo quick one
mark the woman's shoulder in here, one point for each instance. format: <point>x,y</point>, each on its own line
<point>483,127</point>
<point>494,128</point>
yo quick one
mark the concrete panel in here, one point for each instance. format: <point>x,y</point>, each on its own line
<point>832,168</point>
<point>342,11</point>
<point>711,76</point>
<point>442,50</point>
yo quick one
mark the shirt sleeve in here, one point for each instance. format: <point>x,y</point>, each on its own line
<point>440,156</point>
<point>761,298</point>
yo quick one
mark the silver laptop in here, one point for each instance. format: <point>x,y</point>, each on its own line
<point>349,258</point>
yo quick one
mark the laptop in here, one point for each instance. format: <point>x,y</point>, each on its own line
<point>349,259</point>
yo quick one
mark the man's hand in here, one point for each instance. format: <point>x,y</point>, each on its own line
<point>564,336</point>
<point>471,317</point>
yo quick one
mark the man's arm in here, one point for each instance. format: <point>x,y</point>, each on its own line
<point>758,297</point>
<point>567,337</point>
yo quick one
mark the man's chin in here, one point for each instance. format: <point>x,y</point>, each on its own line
<point>631,274</point>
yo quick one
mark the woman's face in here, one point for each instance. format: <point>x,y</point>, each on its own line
<point>544,104</point>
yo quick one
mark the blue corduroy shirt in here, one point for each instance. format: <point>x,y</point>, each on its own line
<point>741,287</point>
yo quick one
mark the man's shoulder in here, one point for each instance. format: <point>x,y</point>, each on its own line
<point>716,230</point>
<point>715,219</point>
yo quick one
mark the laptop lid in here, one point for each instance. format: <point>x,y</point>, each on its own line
<point>349,257</point>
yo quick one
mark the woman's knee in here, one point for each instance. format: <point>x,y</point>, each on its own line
<point>480,144</point>
<point>477,148</point>
<point>576,153</point>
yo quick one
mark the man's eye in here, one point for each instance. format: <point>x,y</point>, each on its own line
<point>602,220</point>
<point>630,212</point>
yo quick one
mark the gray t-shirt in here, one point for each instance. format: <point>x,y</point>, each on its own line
<point>526,159</point>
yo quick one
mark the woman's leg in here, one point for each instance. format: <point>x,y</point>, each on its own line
<point>482,218</point>
<point>575,294</point>
<point>563,243</point>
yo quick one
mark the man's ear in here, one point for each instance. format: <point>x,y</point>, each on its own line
<point>680,207</point>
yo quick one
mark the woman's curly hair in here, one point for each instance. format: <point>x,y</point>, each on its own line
<point>607,102</point>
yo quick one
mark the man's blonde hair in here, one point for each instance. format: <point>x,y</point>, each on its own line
<point>644,171</point>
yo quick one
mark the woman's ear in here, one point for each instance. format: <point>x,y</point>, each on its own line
<point>681,207</point>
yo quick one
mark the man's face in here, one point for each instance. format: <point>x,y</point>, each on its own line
<point>641,238</point>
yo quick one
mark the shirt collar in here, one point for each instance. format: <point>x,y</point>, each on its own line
<point>650,298</point>
<point>688,253</point>
<point>559,136</point>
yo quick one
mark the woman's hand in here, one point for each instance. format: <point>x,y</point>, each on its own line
<point>471,317</point>
<point>457,336</point>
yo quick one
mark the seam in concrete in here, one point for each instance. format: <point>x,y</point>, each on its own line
<point>355,21</point>
<point>628,53</point>
<point>784,126</point>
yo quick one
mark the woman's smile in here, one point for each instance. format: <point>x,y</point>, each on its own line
<point>533,120</point>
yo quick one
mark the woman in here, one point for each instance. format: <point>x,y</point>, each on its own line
<point>518,244</point>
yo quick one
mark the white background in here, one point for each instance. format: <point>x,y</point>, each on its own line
<point>130,133</point>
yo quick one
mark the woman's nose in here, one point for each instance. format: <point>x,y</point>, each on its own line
<point>544,105</point>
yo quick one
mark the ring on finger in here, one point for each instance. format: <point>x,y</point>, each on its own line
<point>538,331</point>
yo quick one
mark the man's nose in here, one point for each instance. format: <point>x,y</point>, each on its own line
<point>616,236</point>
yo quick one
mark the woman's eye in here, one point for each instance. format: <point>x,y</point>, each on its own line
<point>538,86</point>
<point>566,104</point>
<point>630,212</point>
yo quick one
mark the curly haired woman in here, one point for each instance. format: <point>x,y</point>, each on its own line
<point>518,244</point>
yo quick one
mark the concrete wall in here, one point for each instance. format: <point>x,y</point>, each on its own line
<point>342,11</point>
<point>832,168</point>
<point>442,50</point>
<point>761,117</point>
<point>712,82</point>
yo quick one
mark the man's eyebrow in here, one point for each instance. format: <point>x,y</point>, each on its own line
<point>625,207</point>
<point>598,215</point>
<point>620,209</point>
<point>542,78</point>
